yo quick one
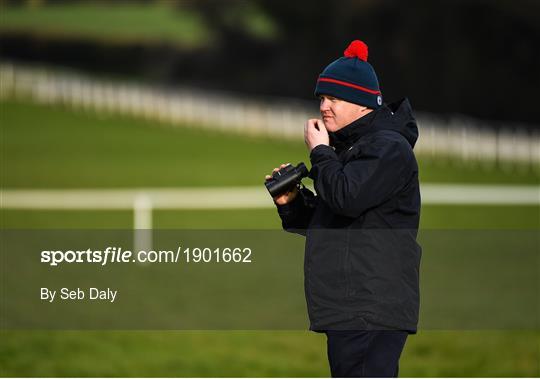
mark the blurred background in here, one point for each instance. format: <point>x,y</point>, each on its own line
<point>168,114</point>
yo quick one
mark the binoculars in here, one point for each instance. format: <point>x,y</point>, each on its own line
<point>286,179</point>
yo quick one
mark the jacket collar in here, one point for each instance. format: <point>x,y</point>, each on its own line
<point>348,135</point>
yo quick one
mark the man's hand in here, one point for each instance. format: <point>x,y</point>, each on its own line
<point>315,134</point>
<point>287,197</point>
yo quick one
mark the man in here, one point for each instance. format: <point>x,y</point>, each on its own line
<point>361,259</point>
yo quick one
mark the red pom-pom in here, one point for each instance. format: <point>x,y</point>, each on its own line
<point>357,49</point>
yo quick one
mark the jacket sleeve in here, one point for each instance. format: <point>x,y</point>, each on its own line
<point>372,178</point>
<point>296,215</point>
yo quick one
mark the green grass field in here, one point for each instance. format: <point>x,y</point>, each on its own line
<point>51,148</point>
<point>54,148</point>
<point>133,23</point>
<point>253,353</point>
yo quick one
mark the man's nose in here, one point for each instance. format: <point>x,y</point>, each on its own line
<point>324,105</point>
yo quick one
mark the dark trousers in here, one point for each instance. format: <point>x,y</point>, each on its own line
<point>354,353</point>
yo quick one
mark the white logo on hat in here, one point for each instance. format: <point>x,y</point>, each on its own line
<point>379,100</point>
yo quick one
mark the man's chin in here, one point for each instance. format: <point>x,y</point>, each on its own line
<point>328,123</point>
<point>331,127</point>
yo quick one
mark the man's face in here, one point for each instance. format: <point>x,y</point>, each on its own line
<point>337,113</point>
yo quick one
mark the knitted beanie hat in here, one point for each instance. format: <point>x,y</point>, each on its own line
<point>351,78</point>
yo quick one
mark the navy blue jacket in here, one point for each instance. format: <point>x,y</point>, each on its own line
<point>361,267</point>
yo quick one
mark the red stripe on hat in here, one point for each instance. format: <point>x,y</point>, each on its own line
<point>374,92</point>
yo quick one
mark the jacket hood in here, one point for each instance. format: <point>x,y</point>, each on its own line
<point>402,120</point>
<point>395,116</point>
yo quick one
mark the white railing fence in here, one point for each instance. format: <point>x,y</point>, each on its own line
<point>142,202</point>
<point>466,139</point>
